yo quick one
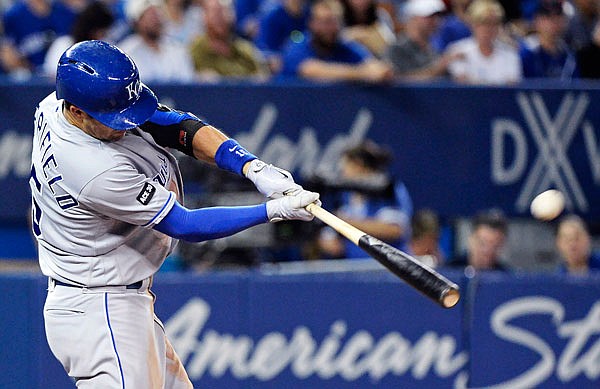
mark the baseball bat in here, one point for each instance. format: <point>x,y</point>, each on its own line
<point>416,274</point>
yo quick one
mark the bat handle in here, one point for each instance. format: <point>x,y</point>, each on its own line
<point>346,229</point>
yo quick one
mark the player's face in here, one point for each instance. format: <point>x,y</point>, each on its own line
<point>98,130</point>
<point>91,126</point>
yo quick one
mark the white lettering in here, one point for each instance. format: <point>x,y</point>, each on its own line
<point>579,332</point>
<point>503,129</point>
<point>527,306</point>
<point>208,352</point>
<point>579,356</point>
<point>306,155</point>
<point>205,351</point>
<point>553,136</point>
<point>593,151</point>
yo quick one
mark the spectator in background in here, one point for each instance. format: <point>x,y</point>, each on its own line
<point>588,58</point>
<point>483,58</point>
<point>323,56</point>
<point>183,20</point>
<point>582,22</point>
<point>370,199</point>
<point>369,25</point>
<point>30,27</point>
<point>393,8</point>
<point>284,22</point>
<point>454,26</point>
<point>545,54</point>
<point>159,59</point>
<point>485,243</point>
<point>574,246</point>
<point>424,240</point>
<point>248,13</point>
<point>92,23</point>
<point>220,52</point>
<point>412,55</point>
<point>121,26</point>
<point>11,62</point>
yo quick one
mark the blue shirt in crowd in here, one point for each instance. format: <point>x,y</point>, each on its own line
<point>298,52</point>
<point>31,34</point>
<point>276,27</point>
<point>539,63</point>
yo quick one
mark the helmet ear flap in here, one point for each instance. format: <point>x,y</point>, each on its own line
<point>104,82</point>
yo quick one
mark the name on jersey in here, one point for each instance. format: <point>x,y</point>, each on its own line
<point>49,170</point>
<point>146,194</point>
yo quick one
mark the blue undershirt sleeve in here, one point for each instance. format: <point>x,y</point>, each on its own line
<point>197,225</point>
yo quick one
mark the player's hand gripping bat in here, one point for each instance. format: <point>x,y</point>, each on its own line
<point>416,274</point>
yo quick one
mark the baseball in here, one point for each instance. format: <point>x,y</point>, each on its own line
<point>548,205</point>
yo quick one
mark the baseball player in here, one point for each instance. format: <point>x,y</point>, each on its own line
<point>107,210</point>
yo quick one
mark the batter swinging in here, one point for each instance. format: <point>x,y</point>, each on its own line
<point>107,210</point>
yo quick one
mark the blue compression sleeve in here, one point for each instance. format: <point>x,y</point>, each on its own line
<point>197,225</point>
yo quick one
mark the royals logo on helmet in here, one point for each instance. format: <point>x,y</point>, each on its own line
<point>134,89</point>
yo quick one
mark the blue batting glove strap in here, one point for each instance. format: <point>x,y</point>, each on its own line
<point>165,116</point>
<point>231,156</point>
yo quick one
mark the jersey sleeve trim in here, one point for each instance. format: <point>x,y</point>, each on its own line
<point>163,211</point>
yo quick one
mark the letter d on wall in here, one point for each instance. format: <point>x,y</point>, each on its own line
<point>507,172</point>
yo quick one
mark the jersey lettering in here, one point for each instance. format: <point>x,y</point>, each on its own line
<point>163,173</point>
<point>54,180</point>
<point>51,173</point>
<point>36,216</point>
<point>33,176</point>
<point>66,201</point>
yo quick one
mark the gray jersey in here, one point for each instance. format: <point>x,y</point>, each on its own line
<point>95,202</point>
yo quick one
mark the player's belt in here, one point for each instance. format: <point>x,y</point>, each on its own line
<point>135,285</point>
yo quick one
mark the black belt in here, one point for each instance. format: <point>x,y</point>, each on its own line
<point>135,285</point>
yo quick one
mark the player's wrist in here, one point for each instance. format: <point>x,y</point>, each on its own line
<point>231,156</point>
<point>246,167</point>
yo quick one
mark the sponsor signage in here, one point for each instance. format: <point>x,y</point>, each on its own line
<point>458,149</point>
<point>346,330</point>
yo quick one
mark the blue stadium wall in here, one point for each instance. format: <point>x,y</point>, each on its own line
<point>458,148</point>
<point>344,330</point>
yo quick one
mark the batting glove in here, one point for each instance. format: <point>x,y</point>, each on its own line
<point>291,207</point>
<point>271,181</point>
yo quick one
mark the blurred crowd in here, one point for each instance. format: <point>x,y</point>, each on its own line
<point>376,41</point>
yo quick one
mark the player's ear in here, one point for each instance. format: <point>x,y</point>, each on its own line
<point>76,111</point>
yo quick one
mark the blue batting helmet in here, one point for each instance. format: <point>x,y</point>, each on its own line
<point>105,83</point>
